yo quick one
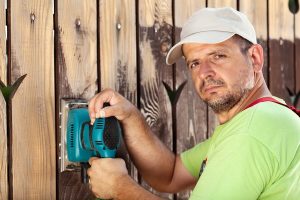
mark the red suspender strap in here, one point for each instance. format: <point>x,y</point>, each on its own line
<point>264,99</point>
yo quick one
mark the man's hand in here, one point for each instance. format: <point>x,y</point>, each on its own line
<point>107,176</point>
<point>119,107</point>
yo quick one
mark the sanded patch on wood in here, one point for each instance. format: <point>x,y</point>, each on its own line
<point>155,38</point>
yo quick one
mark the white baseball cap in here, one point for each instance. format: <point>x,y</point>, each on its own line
<point>212,25</point>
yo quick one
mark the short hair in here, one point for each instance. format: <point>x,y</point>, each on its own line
<point>243,43</point>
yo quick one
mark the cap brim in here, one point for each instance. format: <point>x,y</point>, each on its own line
<point>207,37</point>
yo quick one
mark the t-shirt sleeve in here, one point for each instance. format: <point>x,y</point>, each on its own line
<point>238,168</point>
<point>192,158</point>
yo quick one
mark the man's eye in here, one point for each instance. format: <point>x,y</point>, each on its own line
<point>219,56</point>
<point>194,65</point>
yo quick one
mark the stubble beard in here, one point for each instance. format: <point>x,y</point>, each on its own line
<point>231,98</point>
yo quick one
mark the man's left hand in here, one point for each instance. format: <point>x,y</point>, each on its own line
<point>106,176</point>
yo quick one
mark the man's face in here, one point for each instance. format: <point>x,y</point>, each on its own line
<point>222,75</point>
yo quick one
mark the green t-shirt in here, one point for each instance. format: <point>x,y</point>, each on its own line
<point>255,155</point>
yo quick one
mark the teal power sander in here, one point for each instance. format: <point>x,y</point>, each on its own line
<point>84,140</point>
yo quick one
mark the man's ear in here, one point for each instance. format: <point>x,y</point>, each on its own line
<point>257,57</point>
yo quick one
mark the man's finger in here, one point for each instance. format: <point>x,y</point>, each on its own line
<point>91,108</point>
<point>92,159</point>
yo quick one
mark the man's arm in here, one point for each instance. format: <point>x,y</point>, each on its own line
<point>109,180</point>
<point>157,164</point>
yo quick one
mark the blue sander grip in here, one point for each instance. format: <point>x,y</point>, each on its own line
<point>84,141</point>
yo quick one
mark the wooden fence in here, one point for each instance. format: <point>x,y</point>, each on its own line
<point>75,48</point>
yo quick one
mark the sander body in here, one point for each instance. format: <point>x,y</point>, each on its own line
<point>84,140</point>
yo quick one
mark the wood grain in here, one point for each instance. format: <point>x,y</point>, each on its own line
<point>281,49</point>
<point>3,150</point>
<point>77,48</point>
<point>33,135</point>
<point>118,64</point>
<point>155,38</point>
<point>222,3</point>
<point>76,54</point>
<point>256,13</point>
<point>191,112</point>
<point>3,64</point>
<point>297,54</point>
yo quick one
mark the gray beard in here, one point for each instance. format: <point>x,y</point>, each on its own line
<point>227,102</point>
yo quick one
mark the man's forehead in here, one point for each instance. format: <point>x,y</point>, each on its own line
<point>205,49</point>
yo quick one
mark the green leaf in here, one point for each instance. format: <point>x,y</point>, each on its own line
<point>16,85</point>
<point>294,6</point>
<point>289,91</point>
<point>178,91</point>
<point>297,97</point>
<point>174,95</point>
<point>170,92</point>
<point>8,92</point>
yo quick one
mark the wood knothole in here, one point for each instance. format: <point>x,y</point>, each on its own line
<point>32,17</point>
<point>77,23</point>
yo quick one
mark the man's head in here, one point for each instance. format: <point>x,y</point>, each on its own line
<point>219,47</point>
<point>210,26</point>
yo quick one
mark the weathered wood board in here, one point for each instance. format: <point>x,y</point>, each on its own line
<point>76,62</point>
<point>33,131</point>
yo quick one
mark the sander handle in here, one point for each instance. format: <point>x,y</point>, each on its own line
<point>84,167</point>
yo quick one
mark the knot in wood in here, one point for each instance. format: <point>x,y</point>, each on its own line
<point>32,17</point>
<point>78,23</point>
<point>119,26</point>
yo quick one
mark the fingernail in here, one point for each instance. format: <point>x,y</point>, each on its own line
<point>92,121</point>
<point>102,114</point>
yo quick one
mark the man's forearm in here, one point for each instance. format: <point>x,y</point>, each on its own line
<point>153,160</point>
<point>131,190</point>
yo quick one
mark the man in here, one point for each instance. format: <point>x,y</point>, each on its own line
<point>253,154</point>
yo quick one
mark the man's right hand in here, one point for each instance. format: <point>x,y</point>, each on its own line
<point>158,166</point>
<point>119,107</point>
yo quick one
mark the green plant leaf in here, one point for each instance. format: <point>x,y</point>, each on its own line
<point>16,85</point>
<point>294,6</point>
<point>178,91</point>
<point>174,95</point>
<point>170,92</point>
<point>8,92</point>
<point>289,91</point>
<point>297,97</point>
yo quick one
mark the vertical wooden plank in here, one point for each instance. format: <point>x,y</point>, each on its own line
<point>33,135</point>
<point>297,54</point>
<point>222,3</point>
<point>76,54</point>
<point>256,11</point>
<point>212,119</point>
<point>3,121</point>
<point>3,150</point>
<point>155,38</point>
<point>117,33</point>
<point>281,49</point>
<point>2,41</point>
<point>191,110</point>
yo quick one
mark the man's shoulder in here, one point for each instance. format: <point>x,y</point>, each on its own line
<point>270,115</point>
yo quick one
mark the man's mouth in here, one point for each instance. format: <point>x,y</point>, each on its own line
<point>211,88</point>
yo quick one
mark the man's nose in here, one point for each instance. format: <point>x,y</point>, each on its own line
<point>206,70</point>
